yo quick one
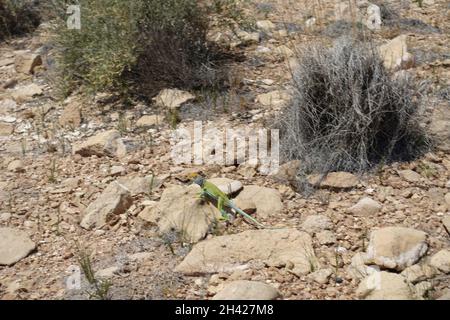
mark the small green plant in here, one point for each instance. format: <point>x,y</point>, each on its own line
<point>101,286</point>
<point>173,117</point>
<point>122,124</point>
<point>23,146</point>
<point>427,170</point>
<point>52,174</point>
<point>419,3</point>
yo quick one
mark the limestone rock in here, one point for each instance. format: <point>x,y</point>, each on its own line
<point>317,223</point>
<point>103,144</point>
<point>26,62</point>
<point>172,98</point>
<point>149,120</point>
<point>247,290</point>
<point>395,54</point>
<point>26,93</point>
<point>247,38</point>
<point>6,129</point>
<point>366,207</point>
<point>326,237</point>
<point>358,269</point>
<point>150,213</point>
<point>275,98</point>
<point>396,247</point>
<point>334,180</point>
<point>182,210</point>
<point>385,286</point>
<point>114,201</point>
<point>276,247</point>
<point>227,186</point>
<point>321,276</point>
<point>440,127</point>
<point>441,261</point>
<point>14,246</point>
<point>287,172</point>
<point>266,201</point>
<point>16,166</point>
<point>410,176</point>
<point>71,115</point>
<point>417,273</point>
<point>140,185</point>
<point>446,223</point>
<point>265,25</point>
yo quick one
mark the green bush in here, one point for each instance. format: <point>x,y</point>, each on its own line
<point>138,46</point>
<point>18,17</point>
<point>98,54</point>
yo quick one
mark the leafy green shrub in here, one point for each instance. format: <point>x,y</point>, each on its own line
<point>140,46</point>
<point>98,54</point>
<point>348,112</point>
<point>18,17</point>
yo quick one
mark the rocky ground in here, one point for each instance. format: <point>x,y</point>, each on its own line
<point>89,177</point>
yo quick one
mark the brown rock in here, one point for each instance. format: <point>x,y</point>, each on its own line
<point>26,62</point>
<point>334,180</point>
<point>71,115</point>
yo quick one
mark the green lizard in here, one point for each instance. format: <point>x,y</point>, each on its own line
<point>210,190</point>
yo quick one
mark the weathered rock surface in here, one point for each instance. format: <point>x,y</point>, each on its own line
<point>395,54</point>
<point>366,207</point>
<point>247,290</point>
<point>396,247</point>
<point>441,261</point>
<point>227,186</point>
<point>26,93</point>
<point>149,120</point>
<point>335,180</point>
<point>385,286</point>
<point>26,62</point>
<point>417,273</point>
<point>440,128</point>
<point>181,210</point>
<point>236,252</point>
<point>102,144</point>
<point>114,201</point>
<point>266,201</point>
<point>321,276</point>
<point>16,166</point>
<point>71,115</point>
<point>172,98</point>
<point>317,223</point>
<point>14,246</point>
<point>410,176</point>
<point>273,99</point>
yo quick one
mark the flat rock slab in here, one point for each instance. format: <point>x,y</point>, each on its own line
<point>385,286</point>
<point>229,253</point>
<point>266,201</point>
<point>247,290</point>
<point>334,180</point>
<point>181,210</point>
<point>114,201</point>
<point>14,246</point>
<point>396,247</point>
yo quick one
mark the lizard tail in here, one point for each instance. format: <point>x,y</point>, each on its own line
<point>247,216</point>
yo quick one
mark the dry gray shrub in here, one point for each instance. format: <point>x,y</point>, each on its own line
<point>348,112</point>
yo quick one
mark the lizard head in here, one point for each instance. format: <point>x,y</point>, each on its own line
<point>200,181</point>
